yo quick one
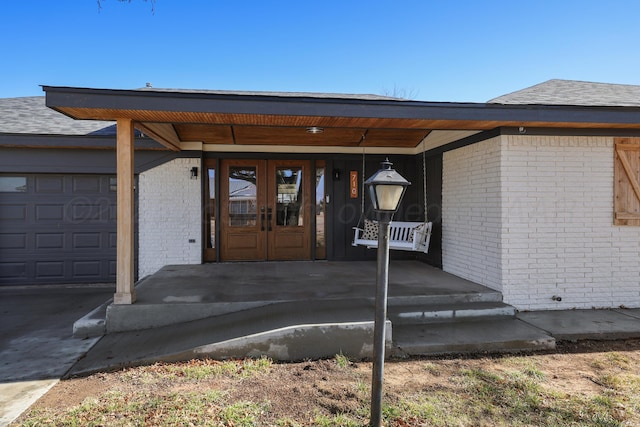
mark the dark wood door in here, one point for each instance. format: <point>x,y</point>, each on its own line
<point>288,208</point>
<point>242,210</point>
<point>265,210</point>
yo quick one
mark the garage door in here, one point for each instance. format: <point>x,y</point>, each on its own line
<point>57,229</point>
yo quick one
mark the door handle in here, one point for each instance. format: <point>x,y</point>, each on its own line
<point>262,218</point>
<point>269,217</point>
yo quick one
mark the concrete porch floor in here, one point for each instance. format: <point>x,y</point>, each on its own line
<point>182,293</point>
<point>295,280</point>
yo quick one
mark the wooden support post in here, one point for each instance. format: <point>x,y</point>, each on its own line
<point>125,292</point>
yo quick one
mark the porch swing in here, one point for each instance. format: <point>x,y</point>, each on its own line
<point>403,235</point>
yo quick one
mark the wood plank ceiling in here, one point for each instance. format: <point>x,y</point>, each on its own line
<point>173,128</point>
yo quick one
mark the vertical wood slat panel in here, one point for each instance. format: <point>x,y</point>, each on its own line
<point>627,181</point>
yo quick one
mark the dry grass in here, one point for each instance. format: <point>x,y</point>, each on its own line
<point>591,384</point>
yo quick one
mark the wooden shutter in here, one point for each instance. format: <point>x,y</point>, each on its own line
<point>627,181</point>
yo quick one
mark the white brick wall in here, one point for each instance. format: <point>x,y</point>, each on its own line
<point>555,229</point>
<point>471,213</point>
<point>170,214</point>
<point>558,235</point>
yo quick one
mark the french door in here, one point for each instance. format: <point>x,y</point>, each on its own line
<point>265,210</point>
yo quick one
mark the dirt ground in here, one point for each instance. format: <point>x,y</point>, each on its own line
<point>296,390</point>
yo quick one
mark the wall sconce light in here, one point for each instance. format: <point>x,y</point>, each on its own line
<point>194,172</point>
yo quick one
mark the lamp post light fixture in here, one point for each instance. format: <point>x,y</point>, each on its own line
<point>386,189</point>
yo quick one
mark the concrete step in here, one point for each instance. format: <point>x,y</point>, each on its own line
<point>430,313</point>
<point>477,336</point>
<point>485,295</point>
<point>144,315</point>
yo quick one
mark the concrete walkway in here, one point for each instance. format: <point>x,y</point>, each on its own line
<point>36,344</point>
<point>191,339</point>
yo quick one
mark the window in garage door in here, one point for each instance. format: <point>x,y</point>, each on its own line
<point>13,184</point>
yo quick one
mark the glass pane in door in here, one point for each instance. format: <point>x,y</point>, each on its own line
<point>211,209</point>
<point>242,197</point>
<point>289,203</point>
<point>321,242</point>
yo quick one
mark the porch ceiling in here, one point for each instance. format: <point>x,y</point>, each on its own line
<point>217,119</point>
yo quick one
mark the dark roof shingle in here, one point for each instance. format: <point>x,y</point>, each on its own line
<point>572,92</point>
<point>30,115</point>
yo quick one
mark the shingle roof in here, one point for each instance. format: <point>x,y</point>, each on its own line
<point>30,115</point>
<point>364,97</point>
<point>572,92</point>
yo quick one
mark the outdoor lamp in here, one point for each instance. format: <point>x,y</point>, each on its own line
<point>386,188</point>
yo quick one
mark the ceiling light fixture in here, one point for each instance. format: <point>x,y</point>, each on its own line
<point>315,129</point>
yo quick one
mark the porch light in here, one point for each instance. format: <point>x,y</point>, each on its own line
<point>315,129</point>
<point>386,188</point>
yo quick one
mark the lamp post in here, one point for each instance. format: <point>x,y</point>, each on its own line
<point>386,188</point>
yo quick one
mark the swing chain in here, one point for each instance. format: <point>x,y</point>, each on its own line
<point>362,195</point>
<point>424,185</point>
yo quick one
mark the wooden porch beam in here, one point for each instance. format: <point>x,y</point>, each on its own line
<point>164,133</point>
<point>125,292</point>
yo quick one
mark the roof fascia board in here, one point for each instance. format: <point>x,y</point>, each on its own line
<point>537,131</point>
<point>71,141</point>
<point>483,136</point>
<point>469,140</point>
<point>61,97</point>
<point>44,160</point>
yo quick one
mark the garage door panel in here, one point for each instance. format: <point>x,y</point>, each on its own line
<point>13,212</point>
<point>111,266</point>
<point>49,241</point>
<point>13,270</point>
<point>87,269</point>
<point>49,269</point>
<point>113,212</point>
<point>113,240</point>
<point>57,229</point>
<point>49,212</point>
<point>84,210</point>
<point>87,241</point>
<point>15,241</point>
<point>86,184</point>
<point>49,183</point>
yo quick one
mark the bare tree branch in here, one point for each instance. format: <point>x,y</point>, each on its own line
<point>153,4</point>
<point>400,93</point>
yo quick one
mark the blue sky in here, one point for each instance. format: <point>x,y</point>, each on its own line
<point>444,50</point>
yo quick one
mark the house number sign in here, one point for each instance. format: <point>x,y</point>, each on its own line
<point>353,184</point>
